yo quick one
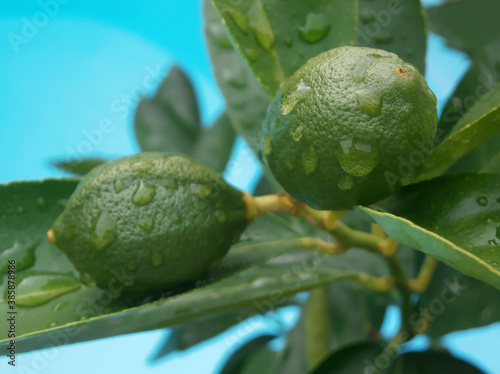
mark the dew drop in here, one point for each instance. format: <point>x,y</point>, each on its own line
<point>482,200</point>
<point>24,254</point>
<point>52,324</point>
<point>104,231</point>
<point>37,289</point>
<point>267,144</point>
<point>290,101</point>
<point>119,186</point>
<point>142,166</point>
<point>176,218</point>
<point>259,282</point>
<point>157,259</point>
<point>369,101</point>
<point>41,203</point>
<point>219,36</point>
<point>361,67</point>
<point>346,182</point>
<point>239,18</point>
<point>147,224</point>
<point>310,160</point>
<point>297,132</point>
<point>260,26</point>
<point>201,191</point>
<point>251,54</point>
<point>220,215</point>
<point>356,159</point>
<point>59,306</point>
<point>144,193</point>
<point>315,28</point>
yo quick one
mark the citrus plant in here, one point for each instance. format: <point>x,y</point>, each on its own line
<point>368,199</point>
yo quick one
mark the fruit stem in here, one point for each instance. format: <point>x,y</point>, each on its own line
<point>424,278</point>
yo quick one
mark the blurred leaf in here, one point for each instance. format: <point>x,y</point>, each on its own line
<point>246,354</point>
<point>169,121</point>
<point>395,26</point>
<point>435,362</point>
<point>79,167</point>
<point>481,77</point>
<point>454,302</point>
<point>246,101</point>
<point>453,218</point>
<point>466,24</point>
<point>459,144</point>
<point>277,37</point>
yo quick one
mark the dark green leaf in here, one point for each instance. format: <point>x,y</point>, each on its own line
<point>277,37</point>
<point>170,120</point>
<point>245,354</point>
<point>246,101</point>
<point>455,301</point>
<point>363,357</point>
<point>396,26</point>
<point>477,82</point>
<point>454,218</point>
<point>466,24</point>
<point>459,144</point>
<point>79,167</point>
<point>435,362</point>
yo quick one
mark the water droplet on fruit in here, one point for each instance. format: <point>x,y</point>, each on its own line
<point>220,215</point>
<point>251,54</point>
<point>315,28</point>
<point>104,231</point>
<point>356,159</point>
<point>361,67</point>
<point>346,182</point>
<point>267,144</point>
<point>201,191</point>
<point>22,253</point>
<point>142,166</point>
<point>290,101</point>
<point>176,218</point>
<point>277,122</point>
<point>59,306</point>
<point>297,132</point>
<point>119,186</point>
<point>144,193</point>
<point>260,26</point>
<point>157,259</point>
<point>482,200</point>
<point>370,101</point>
<point>38,289</point>
<point>310,160</point>
<point>218,33</point>
<point>147,224</point>
<point>169,183</point>
<point>41,203</point>
<point>239,18</point>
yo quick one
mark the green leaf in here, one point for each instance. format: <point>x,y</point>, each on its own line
<point>277,37</point>
<point>464,24</point>
<point>397,27</point>
<point>243,357</point>
<point>362,357</point>
<point>169,121</point>
<point>434,362</point>
<point>482,76</point>
<point>459,144</point>
<point>453,218</point>
<point>79,167</point>
<point>454,301</point>
<point>246,102</point>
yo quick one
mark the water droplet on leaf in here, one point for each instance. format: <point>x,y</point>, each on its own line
<point>482,200</point>
<point>290,100</point>
<point>251,54</point>
<point>144,193</point>
<point>289,42</point>
<point>260,26</point>
<point>239,18</point>
<point>315,29</point>
<point>87,280</point>
<point>59,306</point>
<point>20,210</point>
<point>383,38</point>
<point>22,253</point>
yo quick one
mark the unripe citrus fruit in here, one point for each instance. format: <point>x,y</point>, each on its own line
<point>349,127</point>
<point>157,220</point>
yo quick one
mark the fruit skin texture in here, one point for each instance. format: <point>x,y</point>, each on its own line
<point>162,220</point>
<point>349,127</point>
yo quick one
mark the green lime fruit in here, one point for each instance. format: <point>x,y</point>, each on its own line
<point>150,223</point>
<point>349,127</point>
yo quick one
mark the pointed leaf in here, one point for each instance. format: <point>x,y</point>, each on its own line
<point>276,37</point>
<point>454,218</point>
<point>397,27</point>
<point>79,167</point>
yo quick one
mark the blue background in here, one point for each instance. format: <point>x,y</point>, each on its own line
<point>89,62</point>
